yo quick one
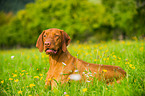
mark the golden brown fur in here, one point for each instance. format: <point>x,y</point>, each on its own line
<point>54,42</point>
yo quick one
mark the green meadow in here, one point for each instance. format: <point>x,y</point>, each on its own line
<point>23,71</point>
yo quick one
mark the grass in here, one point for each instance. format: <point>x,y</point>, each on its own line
<point>23,71</point>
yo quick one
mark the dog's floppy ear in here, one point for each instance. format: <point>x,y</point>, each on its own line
<point>39,43</point>
<point>65,40</point>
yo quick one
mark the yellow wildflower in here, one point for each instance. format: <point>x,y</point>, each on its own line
<point>19,92</point>
<point>2,81</point>
<point>141,48</point>
<point>41,78</point>
<point>36,77</point>
<point>66,95</point>
<point>40,74</point>
<point>14,75</point>
<point>130,65</point>
<point>114,56</point>
<point>104,70</point>
<point>29,95</point>
<point>21,74</point>
<point>133,67</point>
<point>49,79</point>
<point>104,59</point>
<point>10,79</point>
<point>32,85</point>
<point>37,69</point>
<point>15,70</point>
<point>23,71</point>
<point>26,73</point>
<point>108,58</point>
<point>16,80</point>
<point>85,89</point>
<point>95,60</point>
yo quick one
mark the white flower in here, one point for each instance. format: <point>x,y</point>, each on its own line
<point>87,81</point>
<point>63,63</point>
<point>76,70</point>
<point>75,77</point>
<point>12,57</point>
<point>64,93</point>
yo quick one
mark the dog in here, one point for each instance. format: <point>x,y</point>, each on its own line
<point>63,65</point>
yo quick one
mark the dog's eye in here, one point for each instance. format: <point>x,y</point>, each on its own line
<point>44,36</point>
<point>56,35</point>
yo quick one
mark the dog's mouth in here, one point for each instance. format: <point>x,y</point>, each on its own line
<point>50,51</point>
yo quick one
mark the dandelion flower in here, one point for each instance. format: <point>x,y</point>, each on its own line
<point>23,71</point>
<point>104,70</point>
<point>20,92</point>
<point>32,85</point>
<point>66,95</point>
<point>14,75</point>
<point>40,74</point>
<point>41,78</point>
<point>16,80</point>
<point>85,89</point>
<point>10,79</point>
<point>2,81</point>
<point>36,77</point>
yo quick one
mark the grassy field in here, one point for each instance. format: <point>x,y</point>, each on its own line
<point>23,71</point>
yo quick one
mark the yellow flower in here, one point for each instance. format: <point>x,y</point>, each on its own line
<point>15,70</point>
<point>29,95</point>
<point>14,75</point>
<point>133,67</point>
<point>36,77</point>
<point>130,65</point>
<point>37,69</point>
<point>10,79</point>
<point>2,81</point>
<point>141,49</point>
<point>95,60</point>
<point>106,50</point>
<point>66,95</point>
<point>104,70</point>
<point>43,56</point>
<point>108,58</point>
<point>16,80</point>
<point>21,74</point>
<point>40,74</point>
<point>114,56</point>
<point>32,85</point>
<point>104,59</point>
<point>23,71</point>
<point>20,92</point>
<point>49,79</point>
<point>41,78</point>
<point>26,73</point>
<point>85,89</point>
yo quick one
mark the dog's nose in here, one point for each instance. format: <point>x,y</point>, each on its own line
<point>47,44</point>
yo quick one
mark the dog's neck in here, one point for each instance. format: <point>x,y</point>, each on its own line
<point>59,57</point>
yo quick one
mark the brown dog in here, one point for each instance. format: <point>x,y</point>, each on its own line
<point>62,64</point>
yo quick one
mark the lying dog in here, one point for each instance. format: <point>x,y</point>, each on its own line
<point>63,65</point>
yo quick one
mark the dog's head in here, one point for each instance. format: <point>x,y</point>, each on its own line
<point>53,40</point>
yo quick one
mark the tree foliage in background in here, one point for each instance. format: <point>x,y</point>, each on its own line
<point>81,19</point>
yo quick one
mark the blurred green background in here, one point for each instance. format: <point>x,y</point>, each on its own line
<point>21,21</point>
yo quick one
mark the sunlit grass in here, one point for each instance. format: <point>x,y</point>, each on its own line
<point>23,71</point>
